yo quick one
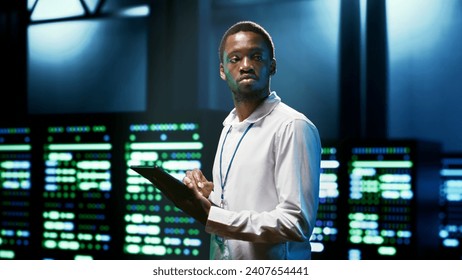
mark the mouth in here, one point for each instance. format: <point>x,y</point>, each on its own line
<point>247,77</point>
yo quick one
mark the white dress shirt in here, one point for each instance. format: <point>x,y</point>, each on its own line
<point>267,208</point>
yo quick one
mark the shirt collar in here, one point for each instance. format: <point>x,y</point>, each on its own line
<point>260,112</point>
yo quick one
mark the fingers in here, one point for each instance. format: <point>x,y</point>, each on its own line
<point>187,180</point>
<point>196,179</point>
<point>198,175</point>
<point>206,188</point>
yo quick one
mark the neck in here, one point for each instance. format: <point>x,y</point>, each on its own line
<point>245,108</point>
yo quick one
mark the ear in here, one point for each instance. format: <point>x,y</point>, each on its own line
<point>222,72</point>
<point>273,67</point>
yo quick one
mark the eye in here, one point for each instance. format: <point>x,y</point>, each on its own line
<point>258,57</point>
<point>233,59</point>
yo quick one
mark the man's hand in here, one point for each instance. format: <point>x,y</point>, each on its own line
<point>197,206</point>
<point>195,179</point>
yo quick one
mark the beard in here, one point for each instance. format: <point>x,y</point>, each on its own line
<point>249,96</point>
<point>248,92</point>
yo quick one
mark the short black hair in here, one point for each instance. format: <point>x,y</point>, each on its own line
<point>246,26</point>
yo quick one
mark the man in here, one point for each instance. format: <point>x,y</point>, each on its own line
<point>263,200</point>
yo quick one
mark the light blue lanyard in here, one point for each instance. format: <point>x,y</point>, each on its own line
<point>223,183</point>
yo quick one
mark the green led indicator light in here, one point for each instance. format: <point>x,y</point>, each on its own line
<point>389,251</point>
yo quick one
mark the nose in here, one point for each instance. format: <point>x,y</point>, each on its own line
<point>246,65</point>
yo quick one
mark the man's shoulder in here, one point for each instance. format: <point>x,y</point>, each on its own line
<point>284,116</point>
<point>288,113</point>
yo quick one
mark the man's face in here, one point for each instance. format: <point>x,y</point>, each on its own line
<point>247,65</point>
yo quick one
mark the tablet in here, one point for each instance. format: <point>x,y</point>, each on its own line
<point>163,181</point>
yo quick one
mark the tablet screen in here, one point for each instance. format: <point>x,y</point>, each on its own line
<point>165,182</point>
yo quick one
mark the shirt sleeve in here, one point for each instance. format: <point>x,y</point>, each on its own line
<point>297,175</point>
